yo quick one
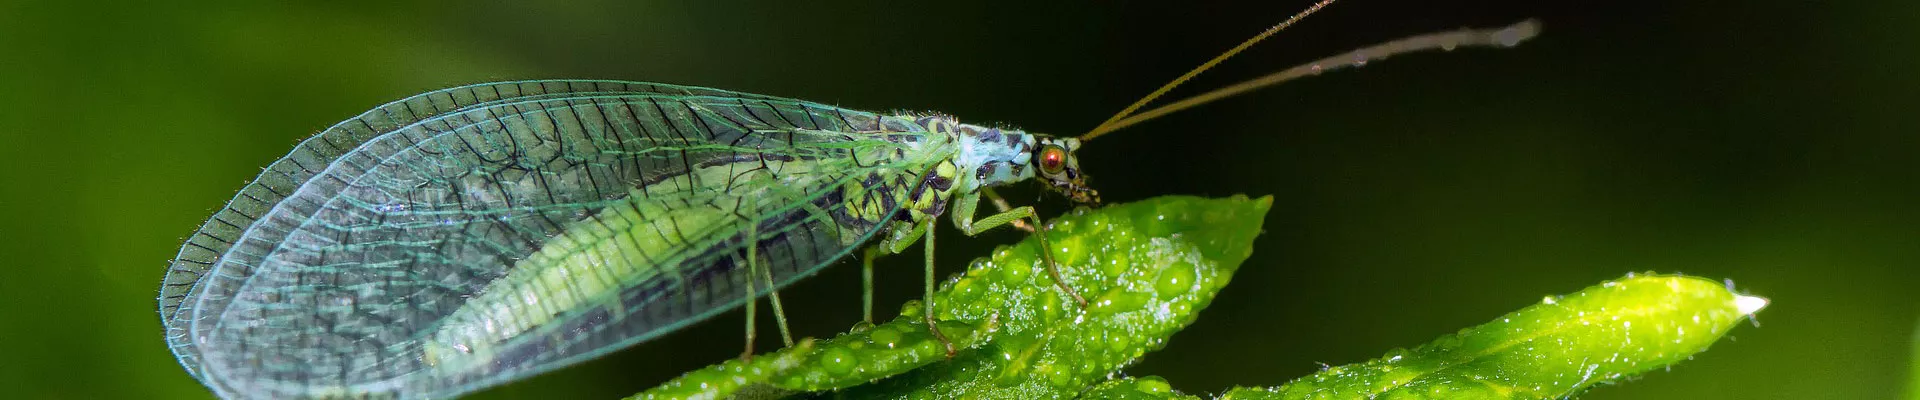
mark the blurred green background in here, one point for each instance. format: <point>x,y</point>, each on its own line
<point>1772,143</point>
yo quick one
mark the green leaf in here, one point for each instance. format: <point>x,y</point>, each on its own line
<point>850,359</point>
<point>1146,269</point>
<point>1554,349</point>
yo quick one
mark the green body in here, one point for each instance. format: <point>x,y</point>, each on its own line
<point>475,235</point>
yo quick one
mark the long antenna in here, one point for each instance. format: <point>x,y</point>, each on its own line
<point>1215,61</point>
<point>1503,37</point>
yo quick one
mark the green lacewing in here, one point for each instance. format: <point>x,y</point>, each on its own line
<point>467,237</point>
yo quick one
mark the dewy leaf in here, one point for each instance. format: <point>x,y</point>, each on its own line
<point>847,360</point>
<point>1146,268</point>
<point>1549,350</point>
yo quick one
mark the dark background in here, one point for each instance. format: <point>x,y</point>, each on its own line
<point>1770,142</point>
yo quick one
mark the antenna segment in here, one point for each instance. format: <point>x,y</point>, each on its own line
<point>1508,36</point>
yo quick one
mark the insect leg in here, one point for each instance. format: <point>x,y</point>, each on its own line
<point>753,270</point>
<point>779,315</point>
<point>1001,204</point>
<point>963,217</point>
<point>897,244</point>
<point>927,298</point>
<point>866,284</point>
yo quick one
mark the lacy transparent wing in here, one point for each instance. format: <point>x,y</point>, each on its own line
<point>335,271</point>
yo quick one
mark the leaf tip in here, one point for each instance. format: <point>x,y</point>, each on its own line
<point>1264,202</point>
<point>1749,304</point>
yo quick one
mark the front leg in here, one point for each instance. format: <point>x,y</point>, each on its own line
<point>963,218</point>
<point>1001,204</point>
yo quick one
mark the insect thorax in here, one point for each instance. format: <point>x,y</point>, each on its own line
<point>965,158</point>
<point>989,156</point>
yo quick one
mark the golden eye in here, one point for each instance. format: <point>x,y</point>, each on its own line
<point>1052,159</point>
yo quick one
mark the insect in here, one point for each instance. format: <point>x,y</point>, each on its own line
<point>471,236</point>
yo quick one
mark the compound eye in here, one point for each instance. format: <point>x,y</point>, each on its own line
<point>1053,159</point>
